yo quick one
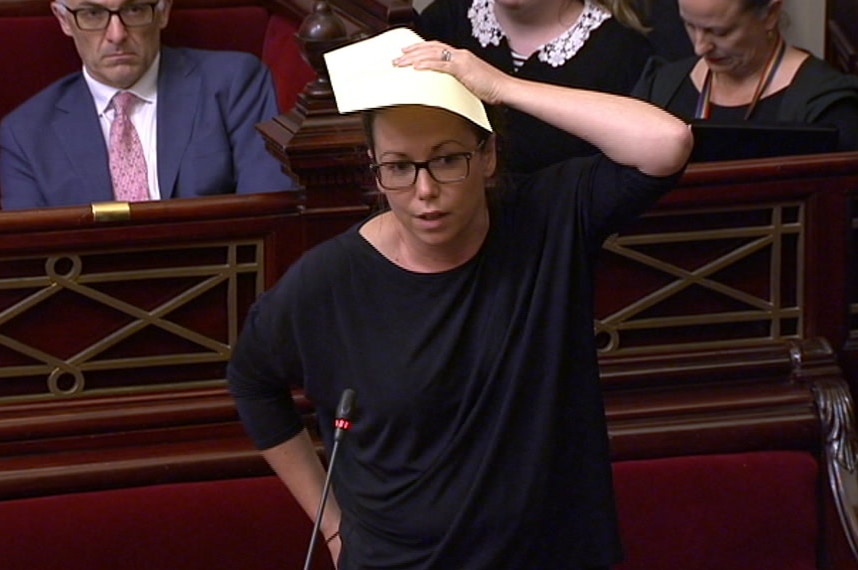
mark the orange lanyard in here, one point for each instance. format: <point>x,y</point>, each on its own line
<point>704,107</point>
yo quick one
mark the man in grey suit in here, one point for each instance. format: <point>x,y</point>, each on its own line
<point>195,115</point>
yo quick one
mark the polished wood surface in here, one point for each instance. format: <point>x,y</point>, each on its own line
<point>738,255</point>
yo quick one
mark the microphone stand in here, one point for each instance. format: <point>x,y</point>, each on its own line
<point>342,425</point>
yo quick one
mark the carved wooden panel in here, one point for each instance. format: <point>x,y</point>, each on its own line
<point>127,307</point>
<point>740,255</point>
<point>96,322</point>
<point>703,278</point>
<point>114,338</point>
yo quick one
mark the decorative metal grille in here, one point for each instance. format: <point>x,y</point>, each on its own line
<point>135,319</point>
<point>703,279</point>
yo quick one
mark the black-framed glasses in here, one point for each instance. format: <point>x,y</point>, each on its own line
<point>93,17</point>
<point>402,174</point>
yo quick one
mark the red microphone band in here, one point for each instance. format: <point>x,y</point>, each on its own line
<point>342,423</point>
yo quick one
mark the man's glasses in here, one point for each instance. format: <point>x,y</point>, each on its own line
<point>401,174</point>
<point>93,18</point>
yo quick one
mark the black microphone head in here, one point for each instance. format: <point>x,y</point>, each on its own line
<point>346,408</point>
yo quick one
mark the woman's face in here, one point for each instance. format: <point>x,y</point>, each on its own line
<point>732,39</point>
<point>433,213</point>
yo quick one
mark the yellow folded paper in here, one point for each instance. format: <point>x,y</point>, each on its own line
<point>363,77</point>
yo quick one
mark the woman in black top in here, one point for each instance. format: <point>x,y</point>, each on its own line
<point>465,327</point>
<point>744,70</point>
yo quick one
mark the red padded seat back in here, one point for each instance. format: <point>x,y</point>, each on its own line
<point>252,29</point>
<point>246,524</point>
<point>282,53</point>
<point>742,511</point>
<point>239,28</point>
<point>35,54</point>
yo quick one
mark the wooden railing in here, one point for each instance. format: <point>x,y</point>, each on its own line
<point>740,255</point>
<point>114,335</point>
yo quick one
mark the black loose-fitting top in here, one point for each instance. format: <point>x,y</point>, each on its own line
<point>480,440</point>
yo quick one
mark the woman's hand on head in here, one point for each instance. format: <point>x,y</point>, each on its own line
<point>482,79</point>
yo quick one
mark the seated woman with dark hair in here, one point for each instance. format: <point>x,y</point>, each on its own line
<point>745,71</point>
<point>588,44</point>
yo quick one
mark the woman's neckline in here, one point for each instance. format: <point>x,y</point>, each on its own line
<point>794,60</point>
<point>387,242</point>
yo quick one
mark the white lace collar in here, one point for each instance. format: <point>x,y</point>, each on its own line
<point>555,53</point>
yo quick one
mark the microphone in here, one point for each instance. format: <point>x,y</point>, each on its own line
<point>343,417</point>
<point>342,424</point>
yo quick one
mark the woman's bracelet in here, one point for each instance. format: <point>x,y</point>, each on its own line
<point>332,537</point>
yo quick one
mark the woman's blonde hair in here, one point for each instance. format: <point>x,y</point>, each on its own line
<point>625,12</point>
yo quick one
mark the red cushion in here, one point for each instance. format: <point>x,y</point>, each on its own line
<point>720,512</point>
<point>743,511</point>
<point>247,524</point>
<point>249,29</point>
<point>238,29</point>
<point>35,54</point>
<point>283,55</point>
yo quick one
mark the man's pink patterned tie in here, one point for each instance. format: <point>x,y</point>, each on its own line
<point>127,162</point>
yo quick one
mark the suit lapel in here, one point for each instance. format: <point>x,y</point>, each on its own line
<point>178,97</point>
<point>76,122</point>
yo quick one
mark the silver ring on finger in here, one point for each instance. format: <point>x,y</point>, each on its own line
<point>446,55</point>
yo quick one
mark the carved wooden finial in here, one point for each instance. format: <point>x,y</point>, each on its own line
<point>323,149</point>
<point>320,32</point>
